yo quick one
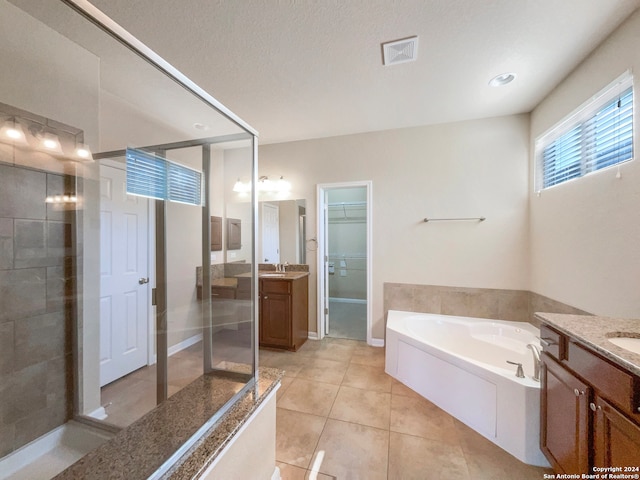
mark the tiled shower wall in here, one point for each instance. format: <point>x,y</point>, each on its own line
<point>515,305</point>
<point>36,305</point>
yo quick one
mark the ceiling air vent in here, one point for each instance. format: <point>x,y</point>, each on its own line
<point>400,51</point>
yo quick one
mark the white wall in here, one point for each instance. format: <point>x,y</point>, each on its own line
<point>585,234</point>
<point>466,169</point>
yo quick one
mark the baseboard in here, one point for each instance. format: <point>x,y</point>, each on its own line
<point>312,335</point>
<point>377,342</point>
<point>347,300</point>
<point>99,413</point>
<point>184,344</point>
<point>173,349</point>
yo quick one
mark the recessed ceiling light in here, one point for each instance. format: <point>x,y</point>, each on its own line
<point>502,79</point>
<point>200,126</point>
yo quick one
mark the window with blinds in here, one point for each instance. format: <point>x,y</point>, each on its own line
<point>598,135</point>
<point>155,177</point>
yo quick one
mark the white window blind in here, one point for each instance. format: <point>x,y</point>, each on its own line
<point>151,176</point>
<point>598,135</point>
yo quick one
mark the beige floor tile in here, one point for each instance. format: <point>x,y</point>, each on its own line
<point>362,406</point>
<point>330,350</point>
<point>487,461</point>
<point>285,382</point>
<point>419,417</point>
<point>291,472</point>
<point>369,358</point>
<point>398,388</point>
<point>322,370</point>
<point>290,362</point>
<point>351,451</point>
<point>366,377</point>
<point>309,397</point>
<point>297,436</point>
<point>416,458</point>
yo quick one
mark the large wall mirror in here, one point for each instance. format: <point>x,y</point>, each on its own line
<point>282,234</point>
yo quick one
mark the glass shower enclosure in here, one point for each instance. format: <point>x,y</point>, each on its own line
<point>117,217</point>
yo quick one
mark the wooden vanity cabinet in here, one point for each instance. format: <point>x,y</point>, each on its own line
<point>590,414</point>
<point>616,439</point>
<point>284,307</point>
<point>565,418</point>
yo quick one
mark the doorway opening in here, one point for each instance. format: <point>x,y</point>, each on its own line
<point>344,259</point>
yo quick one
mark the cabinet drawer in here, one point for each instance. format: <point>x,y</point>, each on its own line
<point>218,292</point>
<point>615,384</point>
<point>552,342</point>
<point>275,286</point>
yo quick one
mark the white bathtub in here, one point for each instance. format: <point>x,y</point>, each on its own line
<point>460,364</point>
<point>50,454</point>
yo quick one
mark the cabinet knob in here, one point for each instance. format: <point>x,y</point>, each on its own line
<point>577,392</point>
<point>594,407</point>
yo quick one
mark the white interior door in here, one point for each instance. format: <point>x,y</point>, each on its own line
<point>123,277</point>
<point>270,233</point>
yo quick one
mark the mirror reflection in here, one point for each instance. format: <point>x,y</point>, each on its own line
<point>281,238</point>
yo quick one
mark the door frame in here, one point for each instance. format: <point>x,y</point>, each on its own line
<point>323,253</point>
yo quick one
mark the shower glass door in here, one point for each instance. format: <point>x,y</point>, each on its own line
<point>110,298</point>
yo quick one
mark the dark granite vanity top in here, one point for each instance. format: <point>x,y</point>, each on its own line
<point>595,332</point>
<point>139,450</point>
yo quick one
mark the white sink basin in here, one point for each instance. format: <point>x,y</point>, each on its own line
<point>628,343</point>
<point>273,274</point>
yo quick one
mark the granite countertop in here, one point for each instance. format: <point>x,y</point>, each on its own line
<point>290,275</point>
<point>594,331</point>
<point>139,450</point>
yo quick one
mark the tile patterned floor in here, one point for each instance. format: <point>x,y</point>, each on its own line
<point>340,416</point>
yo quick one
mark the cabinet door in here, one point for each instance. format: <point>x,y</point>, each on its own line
<point>216,234</point>
<point>616,439</point>
<point>275,319</point>
<point>564,434</point>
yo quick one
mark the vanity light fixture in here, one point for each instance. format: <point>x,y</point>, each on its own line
<point>502,79</point>
<point>265,184</point>
<point>12,131</point>
<point>84,152</point>
<point>282,185</point>
<point>66,198</point>
<point>241,187</point>
<point>51,142</point>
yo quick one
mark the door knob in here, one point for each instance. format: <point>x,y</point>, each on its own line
<point>142,281</point>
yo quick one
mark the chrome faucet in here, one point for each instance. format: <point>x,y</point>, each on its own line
<point>536,361</point>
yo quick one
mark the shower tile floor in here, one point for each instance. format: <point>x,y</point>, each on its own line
<point>340,416</point>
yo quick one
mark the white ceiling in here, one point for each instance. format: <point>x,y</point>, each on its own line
<point>299,69</point>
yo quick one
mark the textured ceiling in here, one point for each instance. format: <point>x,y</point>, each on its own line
<point>298,69</point>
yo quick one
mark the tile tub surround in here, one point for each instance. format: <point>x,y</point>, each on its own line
<point>594,331</point>
<point>37,291</point>
<point>497,304</point>
<point>140,449</point>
